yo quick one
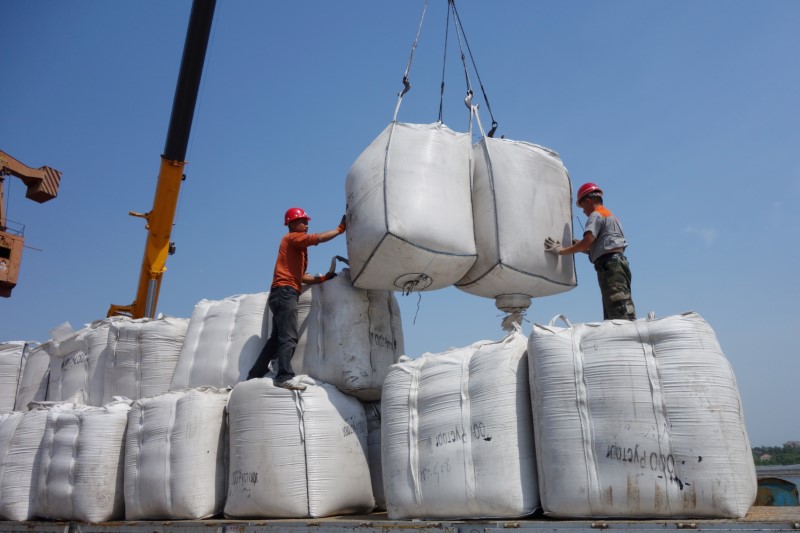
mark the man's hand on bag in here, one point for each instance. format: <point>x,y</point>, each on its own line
<point>552,246</point>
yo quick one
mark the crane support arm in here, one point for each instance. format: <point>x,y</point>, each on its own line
<point>161,217</point>
<point>42,182</point>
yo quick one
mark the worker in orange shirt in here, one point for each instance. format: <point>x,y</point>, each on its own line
<point>605,243</point>
<point>290,272</point>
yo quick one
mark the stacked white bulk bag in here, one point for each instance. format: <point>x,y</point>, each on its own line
<point>81,465</point>
<point>638,419</point>
<point>348,337</point>
<point>12,354</point>
<point>409,210</point>
<point>223,341</point>
<point>20,454</point>
<point>77,363</point>
<point>457,434</point>
<point>35,377</point>
<point>521,194</point>
<point>373,413</point>
<point>142,355</point>
<point>175,455</point>
<point>296,454</point>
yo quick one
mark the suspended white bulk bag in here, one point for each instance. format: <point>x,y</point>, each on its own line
<point>521,194</point>
<point>175,461</point>
<point>12,354</point>
<point>457,435</point>
<point>373,413</point>
<point>78,363</point>
<point>20,439</point>
<point>142,355</point>
<point>409,209</point>
<point>638,419</point>
<point>81,465</point>
<point>35,377</point>
<point>223,341</point>
<point>296,454</point>
<point>348,337</point>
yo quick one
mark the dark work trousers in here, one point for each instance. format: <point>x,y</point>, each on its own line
<point>614,277</point>
<point>283,338</point>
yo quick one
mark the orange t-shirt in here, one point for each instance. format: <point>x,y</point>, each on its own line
<point>293,259</point>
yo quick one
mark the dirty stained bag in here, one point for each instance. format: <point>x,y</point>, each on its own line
<point>638,419</point>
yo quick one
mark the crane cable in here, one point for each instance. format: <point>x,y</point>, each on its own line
<point>444,63</point>
<point>406,83</point>
<point>459,26</point>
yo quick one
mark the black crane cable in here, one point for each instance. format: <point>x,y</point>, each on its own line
<point>444,63</point>
<point>457,18</point>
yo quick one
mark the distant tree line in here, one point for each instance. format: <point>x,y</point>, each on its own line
<point>788,454</point>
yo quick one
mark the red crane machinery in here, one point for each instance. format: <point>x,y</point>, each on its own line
<point>42,186</point>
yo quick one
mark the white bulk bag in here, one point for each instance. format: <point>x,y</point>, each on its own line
<point>348,337</point>
<point>457,435</point>
<point>638,419</point>
<point>296,454</point>
<point>142,355</point>
<point>35,377</point>
<point>12,354</point>
<point>222,342</point>
<point>409,211</point>
<point>78,363</point>
<point>373,413</point>
<point>20,439</point>
<point>521,194</point>
<point>81,466</point>
<point>175,460</point>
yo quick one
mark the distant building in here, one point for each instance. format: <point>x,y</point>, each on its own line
<point>765,457</point>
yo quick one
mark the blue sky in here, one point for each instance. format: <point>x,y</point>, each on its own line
<point>686,113</point>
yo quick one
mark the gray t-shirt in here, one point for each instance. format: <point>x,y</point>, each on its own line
<point>607,233</point>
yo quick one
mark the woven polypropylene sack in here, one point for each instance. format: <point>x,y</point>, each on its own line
<point>521,194</point>
<point>373,412</point>
<point>175,455</point>
<point>20,455</point>
<point>457,435</point>
<point>296,454</point>
<point>638,419</point>
<point>81,466</point>
<point>78,363</point>
<point>409,210</point>
<point>349,337</point>
<point>141,356</point>
<point>12,354</point>
<point>35,377</point>
<point>222,342</point>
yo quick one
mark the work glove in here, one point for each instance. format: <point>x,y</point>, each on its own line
<point>342,224</point>
<point>552,246</point>
<point>328,275</point>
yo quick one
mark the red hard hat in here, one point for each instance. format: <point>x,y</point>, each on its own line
<point>586,189</point>
<point>293,213</point>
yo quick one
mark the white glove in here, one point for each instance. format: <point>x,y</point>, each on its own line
<point>552,246</point>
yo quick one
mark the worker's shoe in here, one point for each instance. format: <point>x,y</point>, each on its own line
<point>291,384</point>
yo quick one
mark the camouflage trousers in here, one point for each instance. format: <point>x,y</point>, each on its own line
<point>614,278</point>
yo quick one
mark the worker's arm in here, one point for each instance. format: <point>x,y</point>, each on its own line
<point>582,245</point>
<point>554,247</point>
<point>308,279</point>
<point>325,236</point>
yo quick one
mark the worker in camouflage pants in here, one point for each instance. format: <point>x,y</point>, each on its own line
<point>605,243</point>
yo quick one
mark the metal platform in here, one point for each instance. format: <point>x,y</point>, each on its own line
<point>758,519</point>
